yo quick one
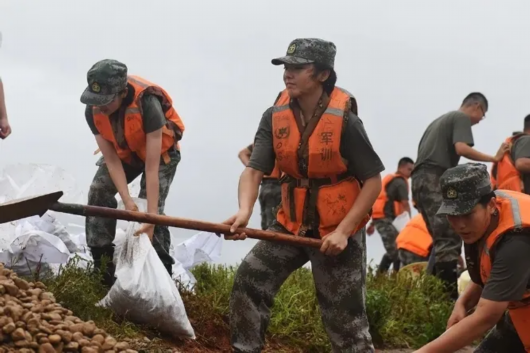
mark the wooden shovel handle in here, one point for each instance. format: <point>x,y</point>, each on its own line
<point>83,210</point>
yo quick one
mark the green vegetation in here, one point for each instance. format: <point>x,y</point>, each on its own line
<point>403,311</point>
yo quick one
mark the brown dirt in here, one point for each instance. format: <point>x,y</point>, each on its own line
<point>466,350</point>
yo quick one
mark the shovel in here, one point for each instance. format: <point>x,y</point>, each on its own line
<point>38,205</point>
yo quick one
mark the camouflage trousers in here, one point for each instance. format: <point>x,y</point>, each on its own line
<point>428,196</point>
<point>270,196</point>
<point>406,257</point>
<point>388,233</point>
<point>340,289</point>
<point>503,338</point>
<point>100,232</point>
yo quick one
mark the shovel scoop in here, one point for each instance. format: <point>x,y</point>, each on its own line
<point>39,205</point>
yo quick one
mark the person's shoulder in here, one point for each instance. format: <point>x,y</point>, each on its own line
<point>523,139</point>
<point>353,118</point>
<point>267,114</point>
<point>88,111</point>
<point>454,114</point>
<point>513,242</point>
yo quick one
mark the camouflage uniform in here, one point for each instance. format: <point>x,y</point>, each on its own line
<point>340,284</point>
<point>339,280</point>
<point>106,79</point>
<point>270,196</point>
<point>388,234</point>
<point>447,245</point>
<point>407,257</point>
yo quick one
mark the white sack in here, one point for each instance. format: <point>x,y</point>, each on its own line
<point>144,292</point>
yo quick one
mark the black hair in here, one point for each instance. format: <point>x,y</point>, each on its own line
<point>527,122</point>
<point>476,97</point>
<point>484,200</point>
<point>405,160</point>
<point>330,82</point>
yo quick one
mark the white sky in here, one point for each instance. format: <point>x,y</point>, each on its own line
<point>407,62</point>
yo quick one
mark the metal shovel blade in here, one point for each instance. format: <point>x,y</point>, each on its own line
<point>28,206</point>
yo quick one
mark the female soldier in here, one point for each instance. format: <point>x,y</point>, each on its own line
<point>320,144</point>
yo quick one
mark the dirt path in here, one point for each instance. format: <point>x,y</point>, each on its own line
<point>466,350</point>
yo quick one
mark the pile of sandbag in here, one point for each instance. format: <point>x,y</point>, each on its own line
<point>31,321</point>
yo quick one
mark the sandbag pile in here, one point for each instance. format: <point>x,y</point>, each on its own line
<point>32,321</point>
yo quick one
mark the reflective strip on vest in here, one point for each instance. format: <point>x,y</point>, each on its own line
<point>516,212</point>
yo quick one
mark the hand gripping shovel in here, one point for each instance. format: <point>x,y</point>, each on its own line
<point>38,205</point>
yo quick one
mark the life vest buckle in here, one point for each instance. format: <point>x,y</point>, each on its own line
<point>304,183</point>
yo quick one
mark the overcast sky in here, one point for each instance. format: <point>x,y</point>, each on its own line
<point>406,62</point>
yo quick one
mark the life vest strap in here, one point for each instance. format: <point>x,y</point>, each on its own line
<point>312,185</point>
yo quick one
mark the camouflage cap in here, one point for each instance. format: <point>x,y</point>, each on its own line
<point>462,187</point>
<point>308,51</point>
<point>106,79</point>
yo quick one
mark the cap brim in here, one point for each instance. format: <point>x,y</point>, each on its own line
<point>90,98</point>
<point>293,60</point>
<point>456,208</point>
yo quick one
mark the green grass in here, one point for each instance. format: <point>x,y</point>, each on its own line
<point>403,312</point>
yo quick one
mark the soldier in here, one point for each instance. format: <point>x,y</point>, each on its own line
<point>495,228</point>
<point>444,141</point>
<point>414,242</point>
<point>137,130</point>
<point>391,202</point>
<point>270,194</point>
<point>325,156</point>
<point>512,172</point>
<point>5,128</point>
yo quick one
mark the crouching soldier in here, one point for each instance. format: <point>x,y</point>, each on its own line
<point>495,228</point>
<point>137,130</point>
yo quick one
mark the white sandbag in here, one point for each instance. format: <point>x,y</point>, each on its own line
<point>33,250</point>
<point>144,292</point>
<point>202,247</point>
<point>401,221</point>
<point>463,281</point>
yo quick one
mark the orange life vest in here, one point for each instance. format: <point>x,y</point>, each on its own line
<point>514,214</point>
<point>378,211</point>
<point>415,237</point>
<point>503,174</point>
<point>133,123</point>
<point>328,191</point>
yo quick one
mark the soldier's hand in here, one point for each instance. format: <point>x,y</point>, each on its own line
<point>130,205</point>
<point>502,150</point>
<point>239,220</point>
<point>458,314</point>
<point>334,243</point>
<point>146,228</point>
<point>5,128</point>
<point>371,229</point>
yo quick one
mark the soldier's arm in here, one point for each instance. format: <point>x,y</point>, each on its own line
<point>400,193</point>
<point>509,277</point>
<point>115,167</point>
<point>464,150</point>
<point>261,162</point>
<point>365,164</point>
<point>3,110</point>
<point>244,155</point>
<point>463,142</point>
<point>522,155</point>
<point>153,122</point>
<point>5,129</point>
